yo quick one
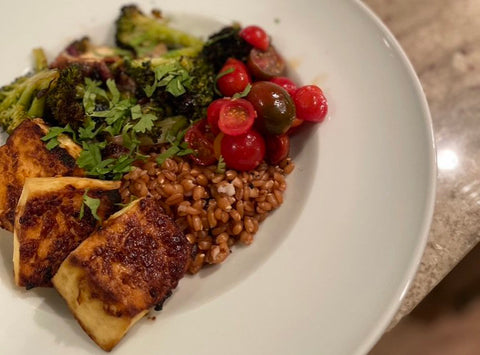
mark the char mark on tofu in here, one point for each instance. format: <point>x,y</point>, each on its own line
<point>52,220</point>
<point>25,155</point>
<point>121,271</point>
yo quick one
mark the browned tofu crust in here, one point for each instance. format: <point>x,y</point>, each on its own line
<point>49,228</point>
<point>25,155</point>
<point>134,261</point>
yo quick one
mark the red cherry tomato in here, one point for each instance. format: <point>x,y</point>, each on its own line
<point>256,36</point>
<point>236,117</point>
<point>201,142</point>
<point>264,65</point>
<point>244,152</point>
<point>233,77</point>
<point>213,114</point>
<point>310,103</point>
<point>285,83</point>
<point>278,148</point>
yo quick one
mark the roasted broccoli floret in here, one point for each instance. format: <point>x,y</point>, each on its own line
<point>24,98</point>
<point>200,93</point>
<point>64,100</point>
<point>146,34</point>
<point>225,44</point>
<point>181,86</point>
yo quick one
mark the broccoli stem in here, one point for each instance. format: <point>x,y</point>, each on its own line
<point>173,37</point>
<point>184,52</point>
<point>20,100</point>
<point>26,96</point>
<point>37,107</point>
<point>40,60</point>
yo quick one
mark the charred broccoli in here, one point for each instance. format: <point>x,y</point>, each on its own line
<point>200,93</point>
<point>24,98</point>
<point>146,35</point>
<point>181,86</point>
<point>225,44</point>
<point>64,99</point>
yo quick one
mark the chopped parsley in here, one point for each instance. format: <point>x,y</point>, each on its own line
<point>177,148</point>
<point>219,75</point>
<point>244,93</point>
<point>52,136</point>
<point>221,166</point>
<point>173,76</point>
<point>111,115</point>
<point>91,203</point>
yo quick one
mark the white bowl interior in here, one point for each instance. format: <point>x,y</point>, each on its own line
<point>329,267</point>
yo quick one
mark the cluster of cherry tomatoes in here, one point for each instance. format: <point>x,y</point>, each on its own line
<point>255,117</point>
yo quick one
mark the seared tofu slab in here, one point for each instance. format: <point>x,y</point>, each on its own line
<point>49,223</point>
<point>117,274</point>
<point>25,155</point>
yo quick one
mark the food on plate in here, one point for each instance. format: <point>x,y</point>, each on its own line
<point>53,216</point>
<point>193,133</point>
<point>25,97</point>
<point>311,103</point>
<point>117,274</point>
<point>26,155</point>
<point>274,106</point>
<point>214,209</point>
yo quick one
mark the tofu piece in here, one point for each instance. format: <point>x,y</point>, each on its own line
<point>48,224</point>
<point>117,274</point>
<point>25,155</point>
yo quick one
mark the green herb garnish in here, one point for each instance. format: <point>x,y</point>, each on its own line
<point>219,75</point>
<point>52,136</point>
<point>172,76</point>
<point>244,93</point>
<point>91,203</point>
<point>221,166</point>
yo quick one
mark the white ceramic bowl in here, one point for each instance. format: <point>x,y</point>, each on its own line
<point>329,268</point>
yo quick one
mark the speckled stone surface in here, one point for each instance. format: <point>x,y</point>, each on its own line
<point>442,40</point>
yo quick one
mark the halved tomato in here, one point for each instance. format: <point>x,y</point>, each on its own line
<point>200,140</point>
<point>264,65</point>
<point>213,113</point>
<point>236,117</point>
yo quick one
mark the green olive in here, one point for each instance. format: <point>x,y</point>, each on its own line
<point>274,106</point>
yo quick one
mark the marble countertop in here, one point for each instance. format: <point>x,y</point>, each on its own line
<point>442,40</point>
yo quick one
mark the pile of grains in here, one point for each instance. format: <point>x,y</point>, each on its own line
<point>214,210</point>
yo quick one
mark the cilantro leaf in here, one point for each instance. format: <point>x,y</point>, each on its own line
<point>221,166</point>
<point>145,123</point>
<point>92,204</point>
<point>91,156</point>
<point>92,90</point>
<point>244,93</point>
<point>136,112</point>
<point>170,152</point>
<point>54,132</point>
<point>52,143</point>
<point>173,76</point>
<point>219,75</point>
<point>112,87</point>
<point>88,129</point>
<point>52,136</point>
<point>129,139</point>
